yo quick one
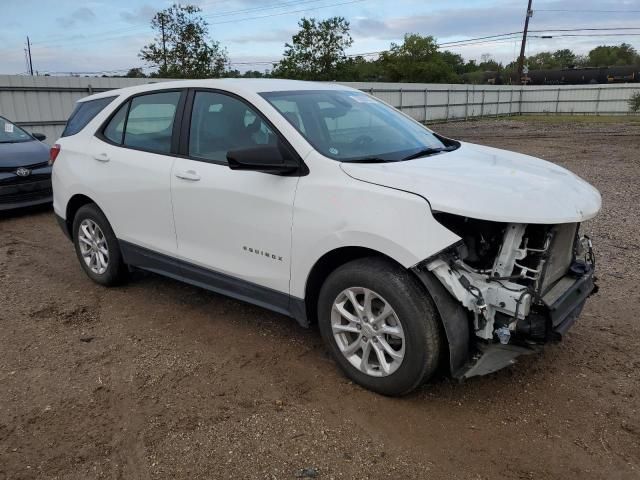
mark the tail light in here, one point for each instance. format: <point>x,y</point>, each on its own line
<point>53,153</point>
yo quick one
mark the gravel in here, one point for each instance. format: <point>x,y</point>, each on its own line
<point>159,380</point>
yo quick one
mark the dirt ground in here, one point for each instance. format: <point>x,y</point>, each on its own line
<point>158,380</point>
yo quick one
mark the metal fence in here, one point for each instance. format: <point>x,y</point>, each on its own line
<point>436,102</point>
<point>43,104</point>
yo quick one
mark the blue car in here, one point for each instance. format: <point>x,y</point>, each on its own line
<point>25,173</point>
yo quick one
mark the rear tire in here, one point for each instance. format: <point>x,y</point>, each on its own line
<point>97,247</point>
<point>395,325</point>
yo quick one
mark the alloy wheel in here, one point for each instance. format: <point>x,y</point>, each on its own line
<point>368,331</point>
<point>93,246</point>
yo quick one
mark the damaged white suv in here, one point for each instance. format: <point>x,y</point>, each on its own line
<point>410,250</point>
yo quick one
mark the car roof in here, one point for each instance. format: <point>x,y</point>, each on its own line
<point>235,85</point>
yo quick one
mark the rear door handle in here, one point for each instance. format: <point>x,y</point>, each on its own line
<point>101,157</point>
<point>190,175</point>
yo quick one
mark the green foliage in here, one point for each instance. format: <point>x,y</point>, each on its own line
<point>602,56</point>
<point>605,56</point>
<point>247,74</point>
<point>634,102</point>
<point>316,51</point>
<point>417,59</point>
<point>135,73</point>
<point>181,48</point>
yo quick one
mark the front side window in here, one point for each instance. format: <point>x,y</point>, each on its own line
<point>351,126</point>
<point>220,123</point>
<point>11,133</point>
<point>84,113</point>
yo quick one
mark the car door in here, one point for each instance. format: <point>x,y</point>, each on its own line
<point>135,158</point>
<point>234,224</point>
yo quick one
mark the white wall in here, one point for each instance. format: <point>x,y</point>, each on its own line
<point>42,104</point>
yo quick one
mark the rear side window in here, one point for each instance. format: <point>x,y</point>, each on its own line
<point>84,113</point>
<point>115,129</point>
<point>145,122</point>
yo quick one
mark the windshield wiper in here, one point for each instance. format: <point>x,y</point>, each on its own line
<point>429,151</point>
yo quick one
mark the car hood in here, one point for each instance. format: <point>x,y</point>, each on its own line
<point>489,184</point>
<point>22,154</point>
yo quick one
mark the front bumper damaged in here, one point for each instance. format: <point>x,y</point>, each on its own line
<point>492,318</point>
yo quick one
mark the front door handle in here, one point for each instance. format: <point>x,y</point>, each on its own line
<point>190,175</point>
<point>101,157</point>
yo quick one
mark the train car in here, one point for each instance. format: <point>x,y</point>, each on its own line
<point>583,76</point>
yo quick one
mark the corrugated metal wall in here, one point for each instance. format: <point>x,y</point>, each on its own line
<point>437,102</point>
<point>42,104</point>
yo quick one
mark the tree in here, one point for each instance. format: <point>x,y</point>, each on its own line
<point>135,73</point>
<point>181,48</point>
<point>456,61</point>
<point>564,58</point>
<point>248,74</point>
<point>416,60</point>
<point>316,51</point>
<point>605,56</point>
<point>634,102</point>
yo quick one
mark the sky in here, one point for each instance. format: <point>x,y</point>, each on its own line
<point>106,36</point>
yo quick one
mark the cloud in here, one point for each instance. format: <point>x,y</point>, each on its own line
<point>485,21</point>
<point>456,20</point>
<point>140,15</point>
<point>82,14</point>
<point>272,36</point>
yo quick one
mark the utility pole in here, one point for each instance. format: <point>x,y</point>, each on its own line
<point>164,45</point>
<point>524,41</point>
<point>29,56</point>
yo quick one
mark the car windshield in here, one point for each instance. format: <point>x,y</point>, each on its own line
<point>351,126</point>
<point>11,133</point>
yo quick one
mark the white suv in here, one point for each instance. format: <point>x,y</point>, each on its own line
<point>410,250</point>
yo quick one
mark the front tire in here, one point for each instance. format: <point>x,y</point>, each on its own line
<point>380,325</point>
<point>97,247</point>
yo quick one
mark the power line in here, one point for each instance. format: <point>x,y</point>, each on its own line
<point>586,11</point>
<point>290,12</point>
<point>590,35</point>
<point>585,29</point>
<point>141,26</point>
<point>480,38</point>
<point>96,38</point>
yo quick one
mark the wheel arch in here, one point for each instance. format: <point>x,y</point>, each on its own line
<point>73,205</point>
<point>452,316</point>
<point>326,264</point>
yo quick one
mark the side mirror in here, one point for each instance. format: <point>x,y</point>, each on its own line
<point>39,136</point>
<point>263,158</point>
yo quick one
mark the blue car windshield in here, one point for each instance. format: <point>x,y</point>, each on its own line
<point>348,125</point>
<point>11,133</point>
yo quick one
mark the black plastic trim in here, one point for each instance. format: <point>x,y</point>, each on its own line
<point>62,223</point>
<point>25,203</point>
<point>279,302</point>
<point>454,320</point>
<point>572,300</point>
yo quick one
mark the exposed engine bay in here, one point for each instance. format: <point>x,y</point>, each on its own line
<point>521,284</point>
